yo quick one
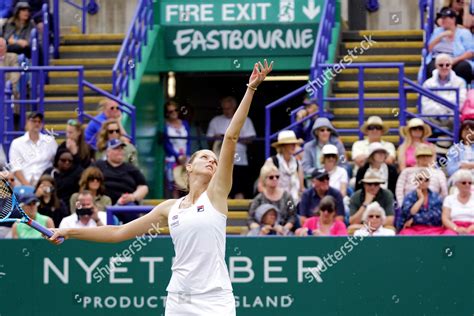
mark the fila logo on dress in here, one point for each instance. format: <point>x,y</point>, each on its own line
<point>200,208</point>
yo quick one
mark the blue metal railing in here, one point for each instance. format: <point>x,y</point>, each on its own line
<point>131,51</point>
<point>86,7</point>
<point>427,21</point>
<point>128,209</point>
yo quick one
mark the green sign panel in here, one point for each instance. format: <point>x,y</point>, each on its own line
<point>270,276</point>
<point>222,41</point>
<point>232,12</point>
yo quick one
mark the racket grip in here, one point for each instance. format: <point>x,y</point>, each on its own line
<point>43,230</point>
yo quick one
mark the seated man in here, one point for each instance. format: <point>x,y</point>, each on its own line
<point>443,77</point>
<point>29,203</point>
<point>31,154</point>
<point>124,183</point>
<point>374,128</point>
<point>109,110</point>
<point>312,196</point>
<point>371,192</point>
<point>86,213</point>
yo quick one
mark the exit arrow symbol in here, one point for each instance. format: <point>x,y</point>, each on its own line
<point>311,11</point>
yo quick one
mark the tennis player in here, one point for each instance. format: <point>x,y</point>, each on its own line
<point>200,283</point>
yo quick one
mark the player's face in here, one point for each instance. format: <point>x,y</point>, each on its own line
<point>204,162</point>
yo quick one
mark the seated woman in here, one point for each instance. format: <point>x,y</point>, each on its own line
<point>416,132</point>
<point>76,143</point>
<point>268,218</point>
<point>325,222</point>
<point>18,28</point>
<point>291,173</point>
<point>66,174</point>
<point>49,203</point>
<point>273,194</point>
<point>92,180</point>
<point>421,209</point>
<point>461,154</point>
<point>29,203</point>
<point>376,164</point>
<point>458,208</point>
<point>407,183</point>
<point>338,178</point>
<point>373,218</point>
<point>111,129</point>
<point>452,40</point>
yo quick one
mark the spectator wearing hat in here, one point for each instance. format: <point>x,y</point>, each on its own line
<point>273,193</point>
<point>376,163</point>
<point>415,133</point>
<point>323,133</point>
<point>373,219</point>
<point>324,223</point>
<point>452,40</point>
<point>85,213</point>
<point>217,128</point>
<point>421,210</point>
<point>458,208</point>
<point>407,182</point>
<point>31,154</point>
<point>29,203</point>
<point>373,128</point>
<point>443,77</point>
<point>303,130</point>
<point>313,196</point>
<point>461,9</point>
<point>124,183</point>
<point>66,173</point>
<point>291,173</point>
<point>268,219</point>
<point>109,109</point>
<point>461,154</point>
<point>18,29</point>
<point>371,192</point>
<point>338,178</point>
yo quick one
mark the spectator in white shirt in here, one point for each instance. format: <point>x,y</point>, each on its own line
<point>86,213</point>
<point>31,154</point>
<point>217,128</point>
<point>338,178</point>
<point>373,218</point>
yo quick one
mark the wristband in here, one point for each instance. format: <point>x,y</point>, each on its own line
<point>251,88</point>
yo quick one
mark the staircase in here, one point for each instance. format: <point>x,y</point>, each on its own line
<point>391,46</point>
<point>97,53</point>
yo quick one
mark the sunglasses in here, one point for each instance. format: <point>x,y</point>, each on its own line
<point>273,177</point>
<point>11,179</point>
<point>33,204</point>
<point>373,184</point>
<point>323,179</point>
<point>330,156</point>
<point>419,128</point>
<point>374,216</point>
<point>447,65</point>
<point>73,122</point>
<point>325,210</point>
<point>324,130</point>
<point>374,128</point>
<point>113,131</point>
<point>114,108</point>
<point>93,178</point>
<point>65,160</point>
<point>466,182</point>
<point>171,111</point>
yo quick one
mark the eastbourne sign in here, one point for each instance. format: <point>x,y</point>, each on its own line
<point>240,28</point>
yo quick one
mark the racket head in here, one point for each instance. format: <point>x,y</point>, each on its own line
<point>9,205</point>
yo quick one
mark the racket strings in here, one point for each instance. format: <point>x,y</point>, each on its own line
<point>5,200</point>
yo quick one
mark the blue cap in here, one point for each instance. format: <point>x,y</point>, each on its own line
<point>114,143</point>
<point>28,198</point>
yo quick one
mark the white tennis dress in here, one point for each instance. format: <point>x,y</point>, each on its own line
<point>200,283</point>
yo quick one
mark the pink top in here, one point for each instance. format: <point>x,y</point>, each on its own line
<point>338,228</point>
<point>410,159</point>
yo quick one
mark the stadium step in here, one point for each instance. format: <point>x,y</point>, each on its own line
<point>105,62</point>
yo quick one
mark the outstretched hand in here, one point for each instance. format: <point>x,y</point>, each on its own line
<point>259,73</point>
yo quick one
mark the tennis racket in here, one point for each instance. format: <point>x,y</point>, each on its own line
<point>9,204</point>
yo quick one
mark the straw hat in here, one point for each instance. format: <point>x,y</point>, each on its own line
<point>423,150</point>
<point>371,177</point>
<point>287,137</point>
<point>374,120</point>
<point>415,122</point>
<point>179,176</point>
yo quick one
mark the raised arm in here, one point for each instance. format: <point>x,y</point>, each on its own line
<point>143,225</point>
<point>221,183</point>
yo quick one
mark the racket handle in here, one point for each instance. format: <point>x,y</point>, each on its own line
<point>43,230</point>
